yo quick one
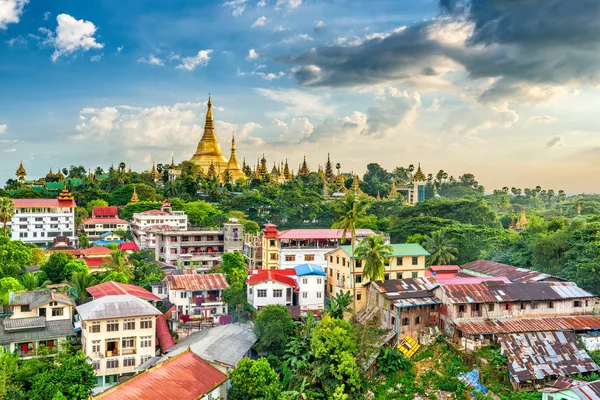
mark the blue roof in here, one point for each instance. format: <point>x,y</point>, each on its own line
<point>105,242</point>
<point>105,234</point>
<point>309,269</point>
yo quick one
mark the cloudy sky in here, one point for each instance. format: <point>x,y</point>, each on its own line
<point>504,89</point>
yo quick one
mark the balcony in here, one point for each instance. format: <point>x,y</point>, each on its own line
<point>128,351</point>
<point>343,284</point>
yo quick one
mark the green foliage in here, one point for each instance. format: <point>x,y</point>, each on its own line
<point>146,193</point>
<point>130,209</point>
<point>116,277</point>
<point>8,285</point>
<point>203,214</point>
<point>442,249</point>
<point>272,327</point>
<point>80,281</point>
<point>338,304</point>
<point>7,210</point>
<point>373,251</point>
<point>391,360</point>
<point>95,203</point>
<point>56,266</point>
<point>14,256</point>
<point>30,281</point>
<point>254,380</point>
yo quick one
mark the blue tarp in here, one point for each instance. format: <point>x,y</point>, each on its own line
<point>472,379</point>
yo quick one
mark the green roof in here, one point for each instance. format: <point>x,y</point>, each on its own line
<point>398,250</point>
<point>54,185</point>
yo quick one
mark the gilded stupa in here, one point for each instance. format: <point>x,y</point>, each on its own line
<point>209,151</point>
<point>233,166</point>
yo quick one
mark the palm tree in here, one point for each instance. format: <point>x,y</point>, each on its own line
<point>80,282</point>
<point>338,304</point>
<point>118,263</point>
<point>443,249</point>
<point>350,210</point>
<point>7,211</point>
<point>29,281</point>
<point>373,251</point>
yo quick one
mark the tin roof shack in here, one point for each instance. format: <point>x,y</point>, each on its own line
<point>569,389</point>
<point>514,274</point>
<point>536,356</point>
<point>498,300</point>
<point>403,306</point>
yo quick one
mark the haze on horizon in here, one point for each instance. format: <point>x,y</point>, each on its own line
<point>504,90</point>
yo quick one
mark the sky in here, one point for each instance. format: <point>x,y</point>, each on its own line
<point>506,90</point>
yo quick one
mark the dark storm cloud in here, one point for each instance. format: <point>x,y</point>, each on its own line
<point>519,42</point>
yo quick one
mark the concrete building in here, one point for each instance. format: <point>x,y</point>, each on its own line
<point>407,260</point>
<point>39,221</point>
<point>199,296</point>
<point>38,318</point>
<point>201,248</point>
<point>118,333</point>
<point>253,250</point>
<point>145,224</point>
<point>105,219</point>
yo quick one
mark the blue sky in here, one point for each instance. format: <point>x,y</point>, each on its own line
<point>505,91</point>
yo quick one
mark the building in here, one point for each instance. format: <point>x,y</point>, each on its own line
<point>568,389</point>
<point>414,192</point>
<point>145,224</point>
<point>286,249</point>
<point>485,268</point>
<point>94,257</point>
<point>104,219</point>
<point>39,318</point>
<point>118,333</point>
<point>407,260</point>
<point>443,271</point>
<point>311,286</point>
<point>183,377</point>
<point>39,221</point>
<point>202,248</point>
<point>253,250</point>
<point>197,295</point>
<point>111,288</point>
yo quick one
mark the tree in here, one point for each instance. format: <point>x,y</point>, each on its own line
<point>7,211</point>
<point>116,277</point>
<point>373,251</point>
<point>10,387</point>
<point>80,282</point>
<point>272,327</point>
<point>338,304</point>
<point>349,211</point>
<point>443,249</point>
<point>14,256</point>
<point>119,264</point>
<point>56,266</point>
<point>8,285</point>
<point>233,266</point>
<point>254,380</point>
<point>201,213</point>
<point>95,203</point>
<point>29,281</point>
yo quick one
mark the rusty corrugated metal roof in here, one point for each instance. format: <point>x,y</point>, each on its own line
<point>197,282</point>
<point>392,286</point>
<point>577,323</point>
<point>515,274</point>
<point>534,356</point>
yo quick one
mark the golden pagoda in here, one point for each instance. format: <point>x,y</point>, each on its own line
<point>50,175</point>
<point>59,175</point>
<point>65,195</point>
<point>209,151</point>
<point>262,167</point>
<point>286,171</point>
<point>419,176</point>
<point>134,197</point>
<point>522,223</point>
<point>355,188</point>
<point>233,166</point>
<point>21,173</point>
<point>328,169</point>
<point>378,196</point>
<point>393,191</point>
<point>303,170</point>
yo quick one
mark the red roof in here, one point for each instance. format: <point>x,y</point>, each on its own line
<point>94,262</point>
<point>94,220</point>
<point>183,377</point>
<point>445,268</point>
<point>279,275</point>
<point>321,233</point>
<point>27,203</point>
<point>578,323</point>
<point>111,288</point>
<point>95,250</point>
<point>154,212</point>
<point>105,211</point>
<point>197,282</point>
<point>163,335</point>
<point>128,246</point>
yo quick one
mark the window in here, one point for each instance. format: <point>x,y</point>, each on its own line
<point>358,297</point>
<point>112,363</point>
<point>57,312</point>
<point>249,290</point>
<point>22,226</point>
<point>506,307</point>
<point>42,312</point>
<point>337,259</point>
<point>23,234</point>
<point>183,295</point>
<point>159,290</point>
<point>398,260</point>
<point>522,306</point>
<point>344,261</point>
<point>491,307</point>
<point>261,293</point>
<point>112,326</point>
<point>128,342</point>
<point>330,258</point>
<point>277,293</point>
<point>54,219</point>
<point>550,304</point>
<point>290,257</point>
<point>417,320</point>
<point>415,274</point>
<point>39,226</point>
<point>96,346</point>
<point>145,341</point>
<point>129,362</point>
<point>272,243</point>
<point>577,303</point>
<point>95,327</point>
<point>143,359</point>
<point>330,288</point>
<point>398,275</point>
<point>587,303</point>
<point>405,321</point>
<point>432,307</point>
<point>319,281</point>
<point>386,277</point>
<point>415,260</point>
<point>461,308</point>
<point>146,323</point>
<point>358,263</point>
<point>273,256</point>
<point>304,281</point>
<point>129,324</point>
<point>309,257</point>
<point>330,271</point>
<point>39,219</point>
<point>96,365</point>
<point>304,295</point>
<point>358,278</point>
<point>25,308</point>
<point>319,295</point>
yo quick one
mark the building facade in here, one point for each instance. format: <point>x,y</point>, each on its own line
<point>145,224</point>
<point>118,333</point>
<point>104,219</point>
<point>199,296</point>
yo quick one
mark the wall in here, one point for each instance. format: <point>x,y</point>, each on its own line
<point>319,257</point>
<point>55,221</point>
<point>67,312</point>
<point>315,292</point>
<point>269,286</point>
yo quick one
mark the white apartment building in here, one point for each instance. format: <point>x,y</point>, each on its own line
<point>39,221</point>
<point>118,333</point>
<point>104,219</point>
<point>144,225</point>
<point>197,295</point>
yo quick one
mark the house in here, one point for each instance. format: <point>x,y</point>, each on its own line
<point>128,247</point>
<point>301,287</point>
<point>285,249</point>
<point>39,221</point>
<point>485,268</point>
<point>38,318</point>
<point>94,257</point>
<point>405,307</point>
<point>197,295</point>
<point>568,389</point>
<point>105,219</point>
<point>118,333</point>
<point>406,260</point>
<point>144,224</point>
<point>443,271</point>
<point>108,238</point>
<point>111,288</point>
<point>183,377</point>
<point>253,250</point>
<point>202,248</point>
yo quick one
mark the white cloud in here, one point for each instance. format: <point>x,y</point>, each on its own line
<point>16,40</point>
<point>3,128</point>
<point>541,119</point>
<point>289,4</point>
<point>270,75</point>
<point>470,121</point>
<point>151,59</point>
<point>71,35</point>
<point>96,58</point>
<point>297,103</point>
<point>557,141</point>
<point>11,150</point>
<point>296,38</point>
<point>261,3</point>
<point>260,21</point>
<point>301,128</point>
<point>237,7</point>
<point>200,59</point>
<point>279,28</point>
<point>395,109</point>
<point>252,55</point>
<point>47,15</point>
<point>10,12</point>
<point>120,49</point>
<point>335,129</point>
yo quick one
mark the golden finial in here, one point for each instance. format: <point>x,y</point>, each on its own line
<point>65,195</point>
<point>419,176</point>
<point>579,209</point>
<point>134,197</point>
<point>21,173</point>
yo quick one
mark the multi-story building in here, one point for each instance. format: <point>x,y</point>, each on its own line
<point>39,221</point>
<point>196,295</point>
<point>38,318</point>
<point>104,219</point>
<point>406,260</point>
<point>253,250</point>
<point>202,248</point>
<point>145,224</point>
<point>286,249</point>
<point>118,333</point>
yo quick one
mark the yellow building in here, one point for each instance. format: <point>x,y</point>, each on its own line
<point>407,260</point>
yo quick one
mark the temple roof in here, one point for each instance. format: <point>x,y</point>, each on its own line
<point>419,176</point>
<point>21,171</point>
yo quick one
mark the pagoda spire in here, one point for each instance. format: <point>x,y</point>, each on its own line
<point>419,176</point>
<point>233,165</point>
<point>134,197</point>
<point>393,191</point>
<point>286,170</point>
<point>21,173</point>
<point>208,150</point>
<point>328,169</point>
<point>303,168</point>
<point>378,196</point>
<point>355,188</point>
<point>579,209</point>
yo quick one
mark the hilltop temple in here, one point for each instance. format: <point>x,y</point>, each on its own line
<point>209,155</point>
